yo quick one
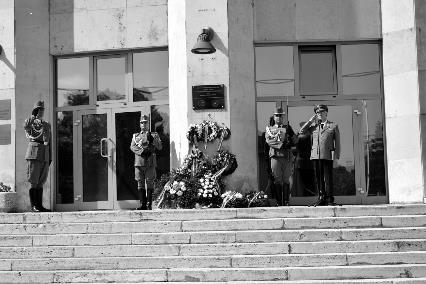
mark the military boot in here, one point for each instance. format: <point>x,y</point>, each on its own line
<point>286,194</point>
<point>149,202</point>
<point>39,192</point>
<point>33,200</point>
<point>142,199</point>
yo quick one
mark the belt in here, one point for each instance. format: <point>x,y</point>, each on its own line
<point>37,141</point>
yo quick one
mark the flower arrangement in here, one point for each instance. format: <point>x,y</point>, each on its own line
<point>225,161</point>
<point>233,199</point>
<point>257,199</point>
<point>5,187</point>
<point>209,190</point>
<point>207,131</point>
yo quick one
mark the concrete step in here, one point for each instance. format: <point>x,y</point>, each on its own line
<point>213,225</point>
<point>235,261</point>
<point>214,249</point>
<point>258,236</point>
<point>217,274</point>
<point>213,214</point>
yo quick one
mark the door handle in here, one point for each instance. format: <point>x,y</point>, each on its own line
<point>357,112</point>
<point>102,148</point>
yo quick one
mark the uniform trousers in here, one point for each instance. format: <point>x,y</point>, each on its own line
<point>37,172</point>
<point>323,172</point>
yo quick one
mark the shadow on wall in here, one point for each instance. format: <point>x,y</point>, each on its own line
<point>218,44</point>
<point>6,61</point>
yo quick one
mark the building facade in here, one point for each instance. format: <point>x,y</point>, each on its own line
<point>99,64</point>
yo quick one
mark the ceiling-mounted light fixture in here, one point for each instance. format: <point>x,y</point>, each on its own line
<point>203,45</point>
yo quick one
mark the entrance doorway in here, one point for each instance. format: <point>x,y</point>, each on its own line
<point>102,176</point>
<point>359,174</point>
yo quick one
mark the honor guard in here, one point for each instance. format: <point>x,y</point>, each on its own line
<point>38,155</point>
<point>144,145</point>
<point>280,139</point>
<point>325,138</point>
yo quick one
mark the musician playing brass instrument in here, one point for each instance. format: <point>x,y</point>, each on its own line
<point>144,145</point>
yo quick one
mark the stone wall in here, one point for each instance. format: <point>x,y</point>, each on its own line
<point>33,80</point>
<point>82,26</point>
<point>7,90</point>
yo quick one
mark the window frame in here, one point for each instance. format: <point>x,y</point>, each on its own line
<point>299,97</point>
<point>318,49</point>
<point>93,103</point>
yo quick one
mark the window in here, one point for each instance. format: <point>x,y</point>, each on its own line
<point>274,71</point>
<point>317,70</point>
<point>111,79</point>
<point>150,76</point>
<point>360,69</point>
<point>72,81</point>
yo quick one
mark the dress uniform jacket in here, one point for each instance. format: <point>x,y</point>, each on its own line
<point>325,140</point>
<point>279,140</point>
<point>144,149</point>
<point>37,148</point>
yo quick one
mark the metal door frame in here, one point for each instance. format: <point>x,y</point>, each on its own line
<point>79,204</point>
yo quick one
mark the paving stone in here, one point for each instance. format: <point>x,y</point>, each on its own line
<point>108,276</point>
<point>404,221</point>
<point>358,246</point>
<point>384,233</point>
<point>234,249</point>
<point>227,225</point>
<point>26,277</point>
<point>212,237</point>
<point>289,260</point>
<point>36,252</point>
<point>357,272</point>
<point>380,210</point>
<point>10,218</point>
<point>161,238</point>
<point>285,212</point>
<point>126,250</point>
<point>15,241</point>
<point>226,274</point>
<point>333,222</point>
<point>287,235</point>
<point>135,227</point>
<point>177,215</point>
<point>415,257</point>
<point>82,239</point>
<point>116,263</point>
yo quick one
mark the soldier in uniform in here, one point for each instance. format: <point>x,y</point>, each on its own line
<point>144,144</point>
<point>280,139</point>
<point>325,148</point>
<point>38,155</point>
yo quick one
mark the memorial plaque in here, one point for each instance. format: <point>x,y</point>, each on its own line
<point>5,135</point>
<point>5,110</point>
<point>208,97</point>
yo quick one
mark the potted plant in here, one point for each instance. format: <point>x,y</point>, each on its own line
<point>7,198</point>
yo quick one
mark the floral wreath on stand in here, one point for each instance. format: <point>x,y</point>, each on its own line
<point>198,181</point>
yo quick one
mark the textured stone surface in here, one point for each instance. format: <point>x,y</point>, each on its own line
<point>126,250</point>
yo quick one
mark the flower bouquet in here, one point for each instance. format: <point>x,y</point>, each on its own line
<point>209,191</point>
<point>233,199</point>
<point>257,199</point>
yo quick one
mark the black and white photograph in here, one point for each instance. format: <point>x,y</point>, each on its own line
<point>219,141</point>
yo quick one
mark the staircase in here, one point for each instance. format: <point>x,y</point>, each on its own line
<point>347,244</point>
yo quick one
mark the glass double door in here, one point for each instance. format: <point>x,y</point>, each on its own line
<point>102,172</point>
<point>359,174</point>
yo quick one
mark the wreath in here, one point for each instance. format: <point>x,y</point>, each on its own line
<point>225,161</point>
<point>207,131</point>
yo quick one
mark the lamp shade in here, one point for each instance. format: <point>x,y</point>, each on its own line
<point>203,45</point>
